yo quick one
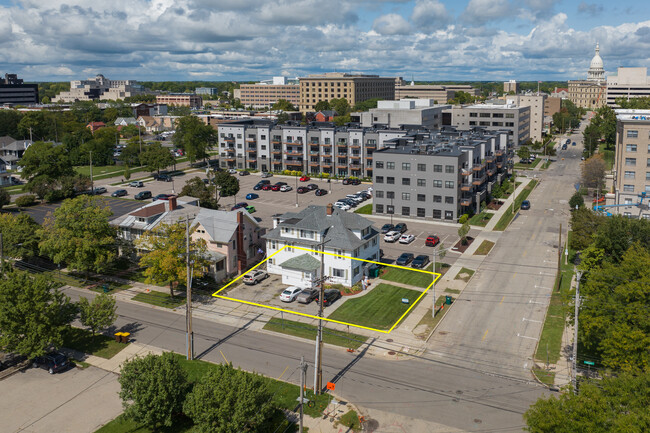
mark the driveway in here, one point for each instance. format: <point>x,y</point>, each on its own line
<point>74,401</point>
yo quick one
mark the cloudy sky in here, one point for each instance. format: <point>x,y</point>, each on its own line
<point>59,40</point>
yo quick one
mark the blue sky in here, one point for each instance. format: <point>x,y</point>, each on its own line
<point>60,40</point>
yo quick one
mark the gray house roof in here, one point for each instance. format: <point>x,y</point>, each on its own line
<point>6,140</point>
<point>219,224</point>
<point>303,262</point>
<point>337,227</point>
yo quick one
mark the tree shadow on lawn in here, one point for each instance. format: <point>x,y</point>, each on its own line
<point>228,337</point>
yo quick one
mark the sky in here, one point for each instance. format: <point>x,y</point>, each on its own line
<point>219,40</point>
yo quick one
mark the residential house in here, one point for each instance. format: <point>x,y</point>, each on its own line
<point>125,121</point>
<point>5,178</point>
<point>12,150</point>
<point>94,126</point>
<point>325,116</point>
<point>343,236</point>
<point>153,125</point>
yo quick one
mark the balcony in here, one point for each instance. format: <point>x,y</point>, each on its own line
<point>326,145</point>
<point>371,146</point>
<point>479,180</point>
<point>489,158</point>
<point>251,149</point>
<point>276,141</point>
<point>293,152</point>
<point>276,150</point>
<point>313,164</point>
<point>293,162</point>
<point>368,156</point>
<point>465,201</point>
<point>251,140</point>
<point>251,160</point>
<point>477,167</point>
<point>465,186</point>
<point>230,149</point>
<point>464,172</point>
<point>491,171</point>
<point>314,152</point>
<point>230,159</point>
<point>341,144</point>
<point>499,152</point>
<point>314,143</point>
<point>355,146</point>
<point>229,139</point>
<point>326,165</point>
<point>341,166</point>
<point>355,156</point>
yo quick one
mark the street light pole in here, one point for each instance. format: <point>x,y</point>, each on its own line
<point>188,293</point>
<point>575,333</point>
<point>318,370</point>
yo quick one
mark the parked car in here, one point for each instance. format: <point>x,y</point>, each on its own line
<point>351,181</point>
<point>232,171</point>
<point>143,195</point>
<point>119,193</point>
<point>268,187</point>
<point>239,205</point>
<point>404,259</point>
<point>573,144</point>
<point>266,174</point>
<point>163,197</point>
<point>99,190</point>
<point>53,362</point>
<point>392,236</point>
<point>250,209</point>
<point>342,206</point>
<point>307,295</point>
<point>254,277</point>
<point>525,205</point>
<point>163,177</point>
<point>406,239</point>
<point>349,202</point>
<point>286,188</point>
<point>432,241</point>
<point>401,227</point>
<point>244,173</point>
<point>261,184</point>
<point>312,186</point>
<point>329,296</point>
<point>321,192</point>
<point>302,190</point>
<point>136,184</point>
<point>277,186</point>
<point>387,228</point>
<point>290,294</point>
<point>420,261</point>
<point>305,178</point>
<point>252,196</point>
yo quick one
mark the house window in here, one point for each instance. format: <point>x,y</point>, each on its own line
<point>630,148</point>
<point>338,253</point>
<point>437,199</point>
<point>629,175</point>
<point>449,200</point>
<point>421,213</point>
<point>632,134</point>
<point>437,184</point>
<point>449,215</point>
<point>406,196</point>
<point>390,180</point>
<point>422,182</point>
<point>421,197</point>
<point>379,164</point>
<point>630,162</point>
<point>422,167</point>
<point>449,168</point>
<point>437,214</point>
<point>406,166</point>
<point>390,209</point>
<point>628,188</point>
<point>449,184</point>
<point>339,273</point>
<point>379,194</point>
<point>274,245</point>
<point>390,194</point>
<point>355,271</point>
<point>647,175</point>
<point>379,208</point>
<point>437,168</point>
<point>406,181</point>
<point>220,265</point>
<point>406,211</point>
<point>390,165</point>
<point>379,179</point>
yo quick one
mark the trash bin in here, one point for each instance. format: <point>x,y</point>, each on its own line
<point>118,337</point>
<point>373,272</point>
<point>105,288</point>
<point>448,300</point>
<point>125,337</point>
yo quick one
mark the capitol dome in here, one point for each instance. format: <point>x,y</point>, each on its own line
<point>596,68</point>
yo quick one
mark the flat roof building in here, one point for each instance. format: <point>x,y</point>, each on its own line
<point>265,94</point>
<point>335,85</point>
<point>396,114</point>
<point>511,86</point>
<point>181,100</point>
<point>628,83</point>
<point>14,91</point>
<point>99,88</point>
<point>515,120</point>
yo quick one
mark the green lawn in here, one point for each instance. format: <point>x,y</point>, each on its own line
<point>365,209</point>
<point>466,271</point>
<point>380,308</point>
<point>547,164</point>
<point>428,321</point>
<point>508,215</point>
<point>161,299</point>
<point>98,345</point>
<point>413,278</point>
<point>351,419</point>
<point>480,219</point>
<point>484,248</point>
<point>608,156</point>
<point>546,377</point>
<point>304,330</point>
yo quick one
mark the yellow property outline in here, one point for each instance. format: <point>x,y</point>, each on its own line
<point>216,294</point>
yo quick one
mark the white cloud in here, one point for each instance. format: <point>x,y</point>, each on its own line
<point>391,24</point>
<point>481,11</point>
<point>430,14</point>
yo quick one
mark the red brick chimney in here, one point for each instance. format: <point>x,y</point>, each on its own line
<point>329,208</point>
<point>172,203</point>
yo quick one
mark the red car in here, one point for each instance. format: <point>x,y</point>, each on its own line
<point>267,187</point>
<point>305,179</point>
<point>277,186</point>
<point>432,241</point>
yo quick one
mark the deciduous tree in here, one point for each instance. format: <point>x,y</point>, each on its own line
<point>593,172</point>
<point>463,231</point>
<point>45,160</point>
<point>5,198</point>
<point>194,137</point>
<point>156,157</point>
<point>226,184</point>
<point>576,201</point>
<point>98,313</point>
<point>284,105</point>
<point>322,106</point>
<point>196,188</point>
<point>19,235</point>
<point>523,152</point>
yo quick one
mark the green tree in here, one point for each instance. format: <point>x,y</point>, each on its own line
<point>101,145</point>
<point>163,255</point>
<point>322,106</point>
<point>612,405</point>
<point>79,235</point>
<point>226,400</point>
<point>34,125</point>
<point>5,198</point>
<point>341,106</point>
<point>45,160</point>
<point>284,105</point>
<point>282,118</point>
<point>131,153</point>
<point>463,231</point>
<point>366,105</point>
<point>523,152</point>
<point>176,110</point>
<point>593,172</point>
<point>19,235</point>
<point>98,313</point>
<point>72,143</point>
<point>591,138</point>
<point>9,120</point>
<point>33,314</point>
<point>584,224</point>
<point>86,112</point>
<point>196,188</point>
<point>576,201</point>
<point>342,120</point>
<point>194,137</point>
<point>153,389</point>
<point>226,184</point>
<point>634,103</point>
<point>155,157</point>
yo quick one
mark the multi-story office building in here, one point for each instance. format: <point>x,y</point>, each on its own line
<point>99,88</point>
<point>266,93</point>
<point>14,91</point>
<point>438,175</point>
<point>208,91</point>
<point>590,93</point>
<point>334,85</point>
<point>552,105</point>
<point>181,100</point>
<point>515,120</point>
<point>537,105</point>
<point>263,145</point>
<point>396,114</point>
<point>631,163</point>
<point>438,93</point>
<point>511,86</point>
<point>628,83</point>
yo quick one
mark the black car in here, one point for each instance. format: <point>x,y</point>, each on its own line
<point>329,297</point>
<point>53,362</point>
<point>404,259</point>
<point>239,205</point>
<point>525,205</point>
<point>351,181</point>
<point>320,192</point>
<point>260,184</point>
<point>244,173</point>
<point>312,186</point>
<point>420,261</point>
<point>143,195</point>
<point>163,178</point>
<point>387,228</point>
<point>163,197</point>
<point>302,189</point>
<point>401,227</point>
<point>119,193</point>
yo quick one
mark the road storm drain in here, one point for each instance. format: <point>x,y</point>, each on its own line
<point>370,425</point>
<point>389,340</point>
<point>478,421</point>
<point>391,353</point>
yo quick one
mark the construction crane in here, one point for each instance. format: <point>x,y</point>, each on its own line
<point>603,208</point>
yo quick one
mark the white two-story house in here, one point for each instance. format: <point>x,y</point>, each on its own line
<point>346,236</point>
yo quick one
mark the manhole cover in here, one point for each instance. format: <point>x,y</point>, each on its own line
<point>459,392</point>
<point>478,421</point>
<point>371,425</point>
<point>390,340</point>
<point>391,353</point>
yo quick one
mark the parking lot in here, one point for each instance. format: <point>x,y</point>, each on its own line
<point>35,401</point>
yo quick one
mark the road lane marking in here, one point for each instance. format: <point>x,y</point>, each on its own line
<point>484,335</point>
<point>224,357</point>
<point>285,370</point>
<point>524,336</point>
<point>524,253</point>
<point>523,319</point>
<point>504,297</point>
<point>532,238</point>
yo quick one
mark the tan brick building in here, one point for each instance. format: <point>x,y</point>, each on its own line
<point>181,100</point>
<point>590,93</point>
<point>335,85</point>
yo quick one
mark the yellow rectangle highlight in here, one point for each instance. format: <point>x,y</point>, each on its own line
<point>437,276</point>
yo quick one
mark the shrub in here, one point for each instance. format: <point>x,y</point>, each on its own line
<point>26,200</point>
<point>463,219</point>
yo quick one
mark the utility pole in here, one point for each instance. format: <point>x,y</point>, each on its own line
<point>188,293</point>
<point>140,138</point>
<point>318,362</point>
<point>559,250</point>
<point>2,257</point>
<point>303,374</point>
<point>575,333</point>
<point>92,185</point>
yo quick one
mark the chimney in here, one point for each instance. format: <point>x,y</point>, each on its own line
<point>329,208</point>
<point>172,203</point>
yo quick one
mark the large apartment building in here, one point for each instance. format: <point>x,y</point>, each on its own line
<point>440,175</point>
<point>99,88</point>
<point>14,91</point>
<point>632,163</point>
<point>628,83</point>
<point>266,93</point>
<point>259,144</point>
<point>537,105</point>
<point>511,118</point>
<point>354,88</point>
<point>181,100</point>
<point>406,112</point>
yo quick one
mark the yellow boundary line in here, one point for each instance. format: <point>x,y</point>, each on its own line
<point>216,294</point>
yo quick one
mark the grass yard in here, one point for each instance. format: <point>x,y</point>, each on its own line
<point>351,419</point>
<point>508,215</point>
<point>304,330</point>
<point>428,322</point>
<point>480,219</point>
<point>608,156</point>
<point>546,377</point>
<point>546,165</point>
<point>98,345</point>
<point>380,308</point>
<point>484,248</point>
<point>365,209</point>
<point>161,299</point>
<point>464,274</point>
<point>413,278</point>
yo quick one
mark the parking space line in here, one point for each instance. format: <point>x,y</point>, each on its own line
<point>285,370</point>
<point>224,357</point>
<point>485,335</point>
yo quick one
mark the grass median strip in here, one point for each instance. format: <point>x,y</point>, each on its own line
<point>98,344</point>
<point>304,330</point>
<point>160,299</point>
<point>484,248</point>
<point>365,209</point>
<point>508,214</point>
<point>464,274</point>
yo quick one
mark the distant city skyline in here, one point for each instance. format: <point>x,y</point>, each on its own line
<point>219,40</point>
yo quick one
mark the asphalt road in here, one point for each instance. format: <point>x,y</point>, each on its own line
<point>438,392</point>
<point>497,321</point>
<point>118,207</point>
